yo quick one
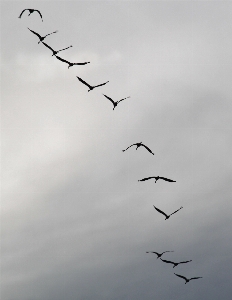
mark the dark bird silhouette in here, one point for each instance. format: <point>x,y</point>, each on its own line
<point>187,279</point>
<point>175,264</point>
<point>137,146</point>
<point>91,87</point>
<point>157,178</point>
<point>115,103</point>
<point>54,52</point>
<point>166,216</point>
<point>31,10</point>
<point>70,64</point>
<point>158,254</point>
<point>41,38</point>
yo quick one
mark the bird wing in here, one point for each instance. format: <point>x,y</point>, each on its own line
<point>34,32</point>
<point>46,45</point>
<point>39,13</point>
<point>129,147</point>
<point>61,59</point>
<point>123,99</point>
<point>147,148</point>
<point>167,261</point>
<point>84,63</point>
<point>22,12</point>
<point>167,251</point>
<point>166,179</point>
<point>109,98</point>
<point>81,80</point>
<point>147,178</point>
<point>181,276</point>
<point>160,211</point>
<point>184,262</point>
<point>195,278</point>
<point>101,84</point>
<point>176,211</point>
<point>64,48</point>
<point>51,33</point>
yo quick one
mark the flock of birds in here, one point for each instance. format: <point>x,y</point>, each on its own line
<point>140,144</point>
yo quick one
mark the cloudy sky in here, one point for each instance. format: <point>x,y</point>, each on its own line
<point>76,223</point>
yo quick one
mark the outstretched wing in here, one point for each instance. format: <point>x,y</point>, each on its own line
<point>51,33</point>
<point>61,59</point>
<point>147,148</point>
<point>181,276</point>
<point>176,210</point>
<point>184,262</point>
<point>123,99</point>
<point>81,80</point>
<point>195,278</point>
<point>39,13</point>
<point>167,251</point>
<point>39,36</point>
<point>111,100</point>
<point>46,45</point>
<point>160,211</point>
<point>147,178</point>
<point>22,12</point>
<point>152,252</point>
<point>128,148</point>
<point>84,63</point>
<point>64,49</point>
<point>167,261</point>
<point>101,84</point>
<point>166,179</point>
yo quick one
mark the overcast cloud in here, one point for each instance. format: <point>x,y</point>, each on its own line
<point>76,223</point>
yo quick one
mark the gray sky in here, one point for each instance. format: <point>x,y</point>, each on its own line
<point>76,223</point>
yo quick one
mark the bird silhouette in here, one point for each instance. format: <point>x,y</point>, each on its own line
<point>54,52</point>
<point>175,264</point>
<point>70,64</point>
<point>167,216</point>
<point>41,38</point>
<point>115,103</point>
<point>187,279</point>
<point>91,87</point>
<point>158,254</point>
<point>137,146</point>
<point>157,178</point>
<point>31,10</point>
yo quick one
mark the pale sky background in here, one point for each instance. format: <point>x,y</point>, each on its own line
<point>75,221</point>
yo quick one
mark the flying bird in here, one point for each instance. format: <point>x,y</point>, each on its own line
<point>186,279</point>
<point>166,216</point>
<point>158,254</point>
<point>115,103</point>
<point>54,52</point>
<point>70,64</point>
<point>175,264</point>
<point>137,146</point>
<point>91,87</point>
<point>157,178</point>
<point>31,10</point>
<point>41,38</point>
